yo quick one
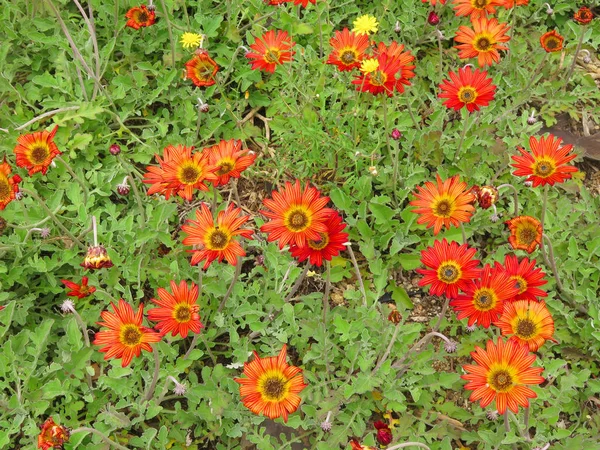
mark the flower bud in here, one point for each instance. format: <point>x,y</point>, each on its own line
<point>395,316</point>
<point>531,120</point>
<point>123,189</point>
<point>45,232</point>
<point>114,149</point>
<point>396,134</point>
<point>397,28</point>
<point>587,59</point>
<point>450,346</point>
<point>384,434</point>
<point>433,18</point>
<point>486,196</point>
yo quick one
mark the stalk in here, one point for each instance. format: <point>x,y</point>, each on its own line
<point>170,30</point>
<point>358,275</point>
<point>76,178</point>
<point>138,198</point>
<point>462,136</point>
<point>152,387</point>
<point>102,436</point>
<point>572,68</point>
<point>326,293</point>
<point>515,196</point>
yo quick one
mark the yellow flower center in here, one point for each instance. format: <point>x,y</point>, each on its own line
<point>130,335</point>
<point>526,234</point>
<point>467,94</point>
<point>483,42</point>
<point>449,272</point>
<point>39,154</point>
<point>272,56</point>
<point>444,208</point>
<point>484,299</point>
<point>5,190</point>
<point>273,386</point>
<point>217,239</point>
<point>480,4</point>
<point>525,328</point>
<point>500,379</point>
<point>543,168</point>
<point>189,174</point>
<point>182,313</point>
<point>321,244</point>
<point>297,220</point>
<point>348,56</point>
<point>378,78</point>
<point>225,166</point>
<point>520,283</point>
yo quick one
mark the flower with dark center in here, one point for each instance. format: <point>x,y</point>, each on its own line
<point>201,69</point>
<point>9,186</point>
<point>467,89</point>
<point>526,276</point>
<point>483,41</point>
<point>140,16</point>
<point>177,312</point>
<point>348,49</point>
<point>271,386</point>
<point>330,244</point>
<point>79,290</point>
<point>527,322</point>
<point>525,233</point>
<point>584,15</point>
<point>396,54</point>
<point>502,372</point>
<point>271,50</point>
<point>230,159</point>
<point>36,151</point>
<point>475,8</point>
<point>552,41</point>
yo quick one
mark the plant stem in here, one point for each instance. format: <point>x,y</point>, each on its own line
<point>572,68</point>
<point>384,357</point>
<point>98,433</point>
<point>358,275</point>
<point>152,387</point>
<point>326,293</point>
<point>526,420</point>
<point>439,39</point>
<point>208,350</point>
<point>54,218</point>
<point>76,178</point>
<point>536,72</point>
<point>236,274</point>
<point>170,30</point>
<point>464,234</point>
<point>515,196</point>
<point>462,136</point>
<point>86,339</point>
<point>46,114</point>
<point>410,112</point>
<point>213,206</point>
<point>507,427</point>
<point>550,261</point>
<point>95,229</point>
<point>138,198</point>
<point>298,282</point>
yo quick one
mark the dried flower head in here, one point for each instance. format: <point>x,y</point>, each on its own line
<point>96,258</point>
<point>67,306</point>
<point>450,346</point>
<point>486,196</point>
<point>52,435</point>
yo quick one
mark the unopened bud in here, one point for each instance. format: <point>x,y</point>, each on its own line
<point>67,306</point>
<point>123,189</point>
<point>397,28</point>
<point>373,170</point>
<point>114,149</point>
<point>433,18</point>
<point>396,134</point>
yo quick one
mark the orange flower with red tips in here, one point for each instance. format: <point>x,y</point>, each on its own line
<point>451,267</point>
<point>272,386</point>
<point>552,41</point>
<point>125,337</point>
<point>525,275</point>
<point>296,216</point>
<point>482,41</point>
<point>527,322</point>
<point>525,233</point>
<point>584,15</point>
<point>185,172</point>
<point>79,290</point>
<point>476,8</point>
<point>155,175</point>
<point>201,69</point>
<point>216,240</point>
<point>9,186</point>
<point>502,372</point>
<point>52,435</point>
<point>96,258</point>
<point>467,89</point>
<point>271,50</point>
<point>546,162</point>
<point>329,245</point>
<point>483,300</point>
<point>348,49</point>
<point>140,16</point>
<point>177,312</point>
<point>449,203</point>
<point>230,160</point>
<point>395,52</point>
<point>35,151</point>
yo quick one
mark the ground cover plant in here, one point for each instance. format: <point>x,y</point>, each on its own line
<point>299,224</point>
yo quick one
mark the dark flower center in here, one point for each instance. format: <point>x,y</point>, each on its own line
<point>4,189</point>
<point>272,56</point>
<point>483,300</point>
<point>142,17</point>
<point>348,57</point>
<point>527,235</point>
<point>39,154</point>
<point>483,44</point>
<point>297,221</point>
<point>183,313</point>
<point>131,335</point>
<point>480,4</point>
<point>543,169</point>
<point>218,240</point>
<point>467,95</point>
<point>274,388</point>
<point>448,273</point>
<point>552,43</point>
<point>378,78</point>
<point>520,283</point>
<point>525,329</point>
<point>225,168</point>
<point>204,70</point>
<point>320,244</point>
<point>190,175</point>
<point>501,381</point>
<point>443,208</point>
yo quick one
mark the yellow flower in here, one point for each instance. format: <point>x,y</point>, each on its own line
<point>369,65</point>
<point>191,40</point>
<point>365,24</point>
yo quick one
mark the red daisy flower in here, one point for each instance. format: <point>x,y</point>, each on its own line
<point>378,75</point>
<point>125,337</point>
<point>155,175</point>
<point>508,4</point>
<point>216,241</point>
<point>139,17</point>
<point>35,151</point>
<point>270,50</point>
<point>526,277</point>
<point>396,53</point>
<point>186,172</point>
<point>296,216</point>
<point>527,322</point>
<point>525,233</point>
<point>451,268</point>
<point>476,8</point>
<point>201,69</point>
<point>483,300</point>
<point>329,245</point>
<point>304,3</point>
<point>546,162</point>
<point>467,89</point>
<point>79,290</point>
<point>178,312</point>
<point>52,435</point>
<point>552,41</point>
<point>348,49</point>
<point>9,186</point>
<point>230,160</point>
<point>482,41</point>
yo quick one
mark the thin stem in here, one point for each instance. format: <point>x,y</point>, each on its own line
<point>54,218</point>
<point>285,276</point>
<point>464,234</point>
<point>100,434</point>
<point>544,206</point>
<point>358,275</point>
<point>526,420</point>
<point>138,198</point>
<point>95,230</point>
<point>192,346</point>
<point>76,178</point>
<point>298,282</point>
<point>549,259</point>
<point>208,350</point>
<point>89,21</point>
<point>579,43</point>
<point>462,136</point>
<point>410,112</point>
<point>170,30</point>
<point>102,291</point>
<point>507,427</point>
<point>536,72</point>
<point>86,339</point>
<point>515,196</point>
<point>327,290</point>
<point>439,39</point>
<point>213,206</point>
<point>46,114</point>
<point>152,387</point>
<point>236,274</point>
<point>384,357</point>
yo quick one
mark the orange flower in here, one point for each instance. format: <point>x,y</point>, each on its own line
<point>525,233</point>
<point>270,50</point>
<point>467,88</point>
<point>126,337</point>
<point>348,49</point>
<point>9,186</point>
<point>230,160</point>
<point>329,245</point>
<point>546,162</point>
<point>508,4</point>
<point>482,41</point>
<point>216,241</point>
<point>296,216</point>
<point>448,203</point>
<point>185,172</point>
<point>526,277</point>
<point>201,69</point>
<point>395,52</point>
<point>156,175</point>
<point>36,151</point>
<point>354,443</point>
<point>483,300</point>
<point>52,435</point>
<point>79,290</point>
<point>476,8</point>
<point>304,3</point>
<point>433,2</point>
<point>529,322</point>
<point>140,17</point>
<point>272,386</point>
<point>501,373</point>
<point>96,258</point>
<point>552,41</point>
<point>178,312</point>
<point>584,15</point>
<point>451,268</point>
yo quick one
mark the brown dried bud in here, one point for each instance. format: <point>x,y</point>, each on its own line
<point>486,196</point>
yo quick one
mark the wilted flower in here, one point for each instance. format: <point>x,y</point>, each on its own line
<point>96,258</point>
<point>486,196</point>
<point>492,414</point>
<point>450,346</point>
<point>67,306</point>
<point>394,316</point>
<point>52,435</point>
<point>123,188</point>
<point>326,424</point>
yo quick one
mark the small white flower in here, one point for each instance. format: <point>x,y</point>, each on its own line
<point>68,306</point>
